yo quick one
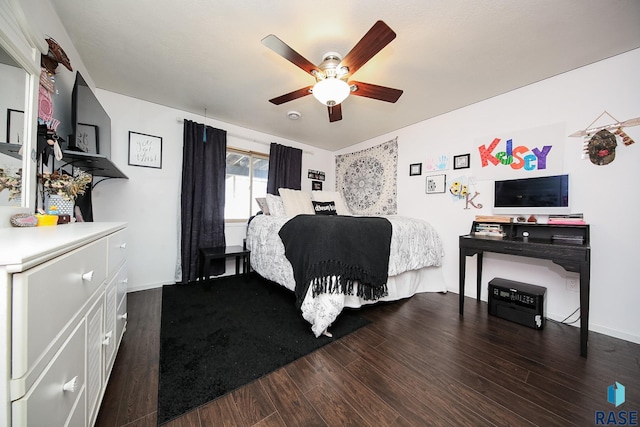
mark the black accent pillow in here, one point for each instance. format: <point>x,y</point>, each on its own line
<point>325,208</point>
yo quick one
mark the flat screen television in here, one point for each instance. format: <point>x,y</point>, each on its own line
<point>91,123</point>
<point>539,195</point>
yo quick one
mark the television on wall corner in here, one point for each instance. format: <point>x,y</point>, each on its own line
<point>91,123</point>
<point>538,195</point>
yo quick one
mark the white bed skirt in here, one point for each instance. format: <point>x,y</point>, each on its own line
<point>324,309</point>
<point>404,285</point>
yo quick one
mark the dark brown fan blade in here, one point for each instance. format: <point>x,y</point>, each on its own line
<point>381,93</point>
<point>335,113</point>
<point>282,49</point>
<point>292,95</point>
<point>376,38</point>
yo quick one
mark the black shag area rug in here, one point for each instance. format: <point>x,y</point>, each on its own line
<point>221,334</point>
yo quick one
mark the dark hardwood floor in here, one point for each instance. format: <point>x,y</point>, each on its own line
<point>419,363</point>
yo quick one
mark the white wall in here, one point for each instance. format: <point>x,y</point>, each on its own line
<point>150,199</point>
<point>605,194</point>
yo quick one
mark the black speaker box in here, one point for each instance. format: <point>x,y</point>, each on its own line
<point>518,302</point>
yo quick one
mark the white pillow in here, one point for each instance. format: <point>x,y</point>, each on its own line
<point>296,202</point>
<point>332,196</point>
<point>276,207</point>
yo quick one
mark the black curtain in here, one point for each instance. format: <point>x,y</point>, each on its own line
<point>285,168</point>
<point>202,200</point>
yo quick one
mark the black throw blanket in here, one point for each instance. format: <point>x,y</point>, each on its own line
<point>353,249</point>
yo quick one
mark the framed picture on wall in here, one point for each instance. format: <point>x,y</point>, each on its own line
<point>145,150</point>
<point>461,161</point>
<point>415,169</point>
<point>436,184</point>
<point>316,185</point>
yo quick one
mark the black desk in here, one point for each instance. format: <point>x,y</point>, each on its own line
<point>550,242</point>
<point>209,254</point>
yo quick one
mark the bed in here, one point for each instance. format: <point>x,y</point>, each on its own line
<point>415,254</point>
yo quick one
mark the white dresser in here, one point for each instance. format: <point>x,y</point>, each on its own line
<point>64,312</point>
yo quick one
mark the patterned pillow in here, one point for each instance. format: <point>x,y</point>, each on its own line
<point>262,203</point>
<point>325,208</point>
<point>276,207</point>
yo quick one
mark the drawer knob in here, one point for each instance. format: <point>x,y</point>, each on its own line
<point>71,386</point>
<point>123,246</point>
<point>107,338</point>
<point>88,276</point>
<point>124,316</point>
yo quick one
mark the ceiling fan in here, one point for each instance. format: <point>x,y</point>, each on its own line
<point>333,73</point>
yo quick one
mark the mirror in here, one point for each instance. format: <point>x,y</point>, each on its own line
<point>13,80</point>
<point>20,47</point>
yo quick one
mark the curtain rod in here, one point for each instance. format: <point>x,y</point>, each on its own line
<point>235,135</point>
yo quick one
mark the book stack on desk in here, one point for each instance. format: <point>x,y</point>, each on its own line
<point>493,218</point>
<point>489,230</point>
<point>570,219</point>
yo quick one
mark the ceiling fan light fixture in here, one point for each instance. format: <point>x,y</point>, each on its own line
<point>331,91</point>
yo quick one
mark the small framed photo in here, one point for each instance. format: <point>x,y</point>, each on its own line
<point>415,169</point>
<point>316,185</point>
<point>461,161</point>
<point>87,138</point>
<point>317,175</point>
<point>145,150</point>
<point>15,126</point>
<point>436,184</point>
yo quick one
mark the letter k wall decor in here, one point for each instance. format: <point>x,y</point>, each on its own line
<point>519,154</point>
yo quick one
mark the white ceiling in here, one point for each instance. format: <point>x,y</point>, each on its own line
<point>197,54</point>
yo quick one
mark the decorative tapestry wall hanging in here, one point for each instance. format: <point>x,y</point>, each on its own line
<point>367,179</point>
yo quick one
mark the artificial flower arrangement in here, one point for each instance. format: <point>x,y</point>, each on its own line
<point>13,183</point>
<point>64,185</point>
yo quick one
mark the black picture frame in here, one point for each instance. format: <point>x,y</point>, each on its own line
<point>461,161</point>
<point>317,175</point>
<point>87,138</point>
<point>415,169</point>
<point>145,150</point>
<point>15,126</point>
<point>316,185</point>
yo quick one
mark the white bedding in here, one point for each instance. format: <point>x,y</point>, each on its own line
<point>415,254</point>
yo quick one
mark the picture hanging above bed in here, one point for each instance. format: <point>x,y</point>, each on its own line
<point>367,179</point>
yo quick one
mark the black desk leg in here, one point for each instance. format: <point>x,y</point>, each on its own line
<point>237,264</point>
<point>584,306</point>
<point>248,261</point>
<point>462,263</point>
<point>479,278</point>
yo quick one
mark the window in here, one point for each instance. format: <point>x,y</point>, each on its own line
<point>246,179</point>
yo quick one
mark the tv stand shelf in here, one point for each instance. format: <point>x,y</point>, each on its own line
<point>565,245</point>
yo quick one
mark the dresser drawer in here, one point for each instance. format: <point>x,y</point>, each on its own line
<point>111,336</point>
<point>117,250</point>
<point>47,297</point>
<point>47,403</point>
<point>122,282</point>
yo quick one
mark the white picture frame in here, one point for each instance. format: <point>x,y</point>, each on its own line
<point>436,184</point>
